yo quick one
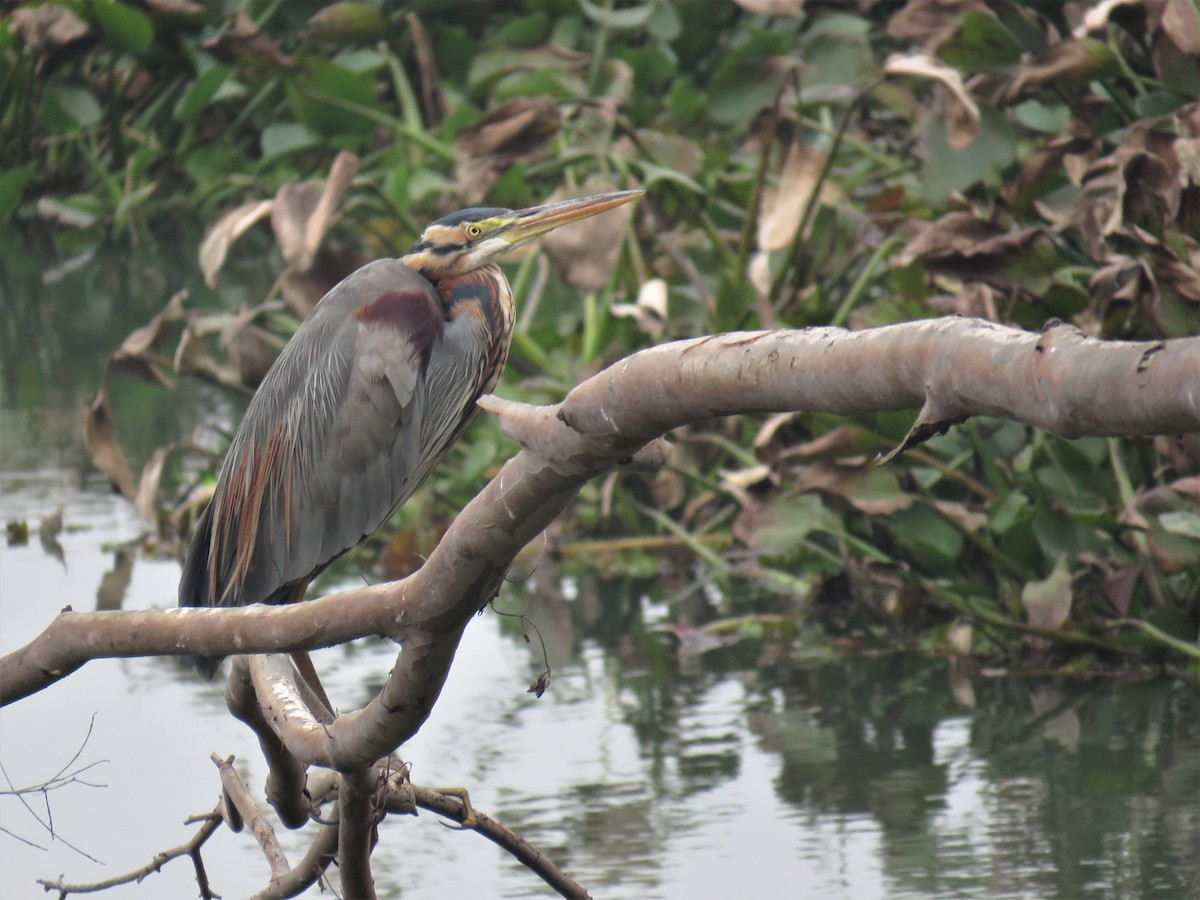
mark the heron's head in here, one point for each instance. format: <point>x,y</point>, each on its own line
<point>473,238</point>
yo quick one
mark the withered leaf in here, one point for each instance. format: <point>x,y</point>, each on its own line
<point>222,233</point>
<point>137,357</point>
<point>519,129</point>
<point>1048,602</point>
<point>47,25</point>
<point>585,253</point>
<point>146,501</point>
<point>302,211</point>
<point>100,441</point>
<point>781,207</point>
<point>962,116</point>
<point>650,310</point>
<point>1069,62</point>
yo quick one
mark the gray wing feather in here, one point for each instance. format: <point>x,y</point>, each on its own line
<point>346,419</point>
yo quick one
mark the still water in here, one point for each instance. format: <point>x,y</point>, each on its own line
<point>641,774</point>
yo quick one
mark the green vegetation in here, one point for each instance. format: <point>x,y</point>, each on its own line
<point>812,166</point>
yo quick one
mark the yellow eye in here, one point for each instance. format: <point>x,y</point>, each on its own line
<point>474,231</point>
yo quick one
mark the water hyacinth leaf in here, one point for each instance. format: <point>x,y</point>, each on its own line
<point>1048,603</point>
<point>933,542</point>
<point>948,169</point>
<point>980,43</point>
<point>330,99</point>
<point>284,137</point>
<point>788,521</point>
<point>68,107</point>
<point>1181,522</point>
<point>128,29</point>
<point>1004,514</point>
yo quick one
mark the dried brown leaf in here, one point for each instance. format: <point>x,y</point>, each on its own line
<point>242,46</point>
<point>650,310</point>
<point>1070,62</point>
<point>1181,23</point>
<point>222,233</point>
<point>586,252</point>
<point>781,207</point>
<point>48,25</point>
<point>519,129</point>
<point>138,356</point>
<point>965,247</point>
<point>866,487</point>
<point>146,501</point>
<point>962,113</point>
<point>251,350</point>
<point>101,443</point>
<point>303,210</point>
<point>929,22</point>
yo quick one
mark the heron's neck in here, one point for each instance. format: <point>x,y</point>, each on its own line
<point>483,293</point>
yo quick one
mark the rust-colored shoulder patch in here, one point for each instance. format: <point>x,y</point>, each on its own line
<point>417,315</point>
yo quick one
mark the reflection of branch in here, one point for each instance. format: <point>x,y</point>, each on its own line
<point>191,847</point>
<point>60,779</point>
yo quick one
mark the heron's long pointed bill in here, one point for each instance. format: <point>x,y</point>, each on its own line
<point>529,223</point>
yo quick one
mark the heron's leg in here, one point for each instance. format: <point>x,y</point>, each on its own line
<point>468,819</point>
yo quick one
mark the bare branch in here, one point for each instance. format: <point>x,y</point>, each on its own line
<point>235,792</point>
<point>357,817</point>
<point>453,808</point>
<point>191,847</point>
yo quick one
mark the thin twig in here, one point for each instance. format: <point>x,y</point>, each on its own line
<point>191,847</point>
<point>452,808</point>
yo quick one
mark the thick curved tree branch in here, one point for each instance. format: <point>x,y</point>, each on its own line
<point>950,368</point>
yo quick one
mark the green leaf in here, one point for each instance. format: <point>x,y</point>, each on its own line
<point>618,19</point>
<point>284,137</point>
<point>981,43</point>
<point>313,96</point>
<point>1181,522</point>
<point>349,22</point>
<point>933,542</point>
<point>788,521</point>
<point>67,107</point>
<point>12,187</point>
<point>1004,515</point>
<point>201,92</point>
<point>127,29</point>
